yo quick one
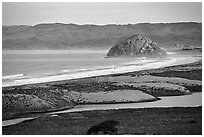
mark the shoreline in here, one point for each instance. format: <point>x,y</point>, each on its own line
<point>173,61</point>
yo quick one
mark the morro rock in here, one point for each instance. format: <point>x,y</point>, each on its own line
<point>136,45</point>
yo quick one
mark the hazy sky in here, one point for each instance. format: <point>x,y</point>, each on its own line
<point>99,13</point>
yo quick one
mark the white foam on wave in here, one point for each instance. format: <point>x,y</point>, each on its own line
<point>65,70</point>
<point>142,58</point>
<point>82,69</point>
<point>94,68</point>
<point>13,76</point>
<point>170,53</point>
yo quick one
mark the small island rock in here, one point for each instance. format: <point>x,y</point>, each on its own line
<point>136,45</point>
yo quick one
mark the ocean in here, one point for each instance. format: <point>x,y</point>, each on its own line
<point>39,63</point>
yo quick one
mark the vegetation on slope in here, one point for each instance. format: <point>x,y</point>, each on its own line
<point>66,36</point>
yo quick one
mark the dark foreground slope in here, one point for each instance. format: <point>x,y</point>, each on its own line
<point>147,121</point>
<point>66,36</point>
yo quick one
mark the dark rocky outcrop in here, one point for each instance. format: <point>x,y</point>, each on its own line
<point>136,45</point>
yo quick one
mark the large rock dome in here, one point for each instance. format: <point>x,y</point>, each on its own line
<point>136,45</point>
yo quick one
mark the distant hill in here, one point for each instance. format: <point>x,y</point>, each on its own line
<point>69,36</point>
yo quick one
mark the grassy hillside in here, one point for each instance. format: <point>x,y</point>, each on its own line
<point>66,36</point>
<point>146,121</point>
